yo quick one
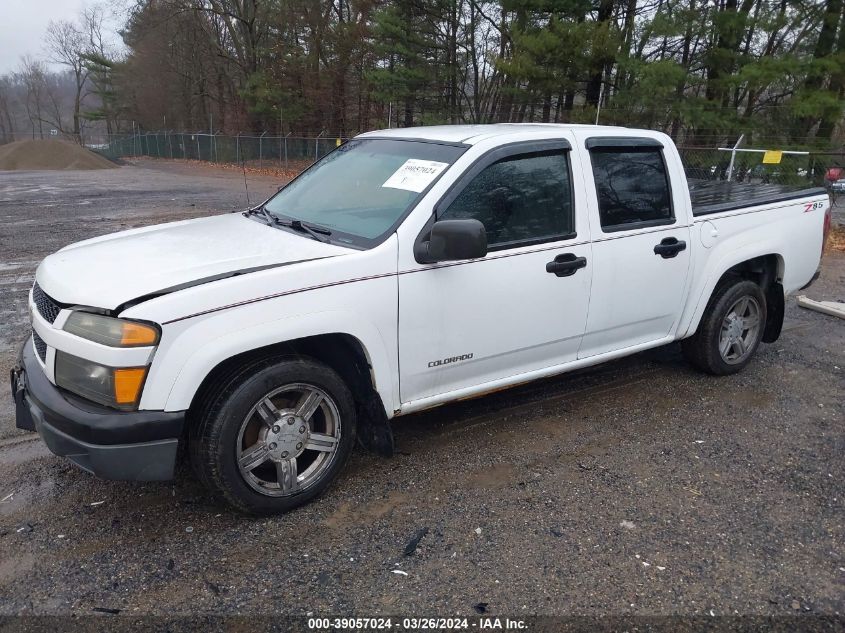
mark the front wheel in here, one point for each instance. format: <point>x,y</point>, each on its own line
<point>275,436</point>
<point>730,330</point>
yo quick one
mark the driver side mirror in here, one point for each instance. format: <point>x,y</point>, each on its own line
<point>452,240</point>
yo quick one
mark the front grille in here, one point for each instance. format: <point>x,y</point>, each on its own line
<point>40,346</point>
<point>47,307</point>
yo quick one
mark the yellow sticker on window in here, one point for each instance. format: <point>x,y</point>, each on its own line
<point>772,157</point>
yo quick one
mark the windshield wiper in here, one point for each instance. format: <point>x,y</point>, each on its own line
<point>316,232</point>
<point>260,210</point>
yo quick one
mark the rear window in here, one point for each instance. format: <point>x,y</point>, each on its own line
<point>632,187</point>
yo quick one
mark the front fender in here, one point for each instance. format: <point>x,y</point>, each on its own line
<point>186,357</point>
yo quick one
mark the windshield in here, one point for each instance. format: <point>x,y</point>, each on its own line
<point>364,187</point>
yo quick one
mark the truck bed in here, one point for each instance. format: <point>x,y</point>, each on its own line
<point>715,196</point>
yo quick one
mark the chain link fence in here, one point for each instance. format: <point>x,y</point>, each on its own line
<point>259,151</point>
<point>799,169</point>
<point>803,169</point>
<point>264,150</point>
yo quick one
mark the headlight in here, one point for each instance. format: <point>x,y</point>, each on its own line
<point>114,387</point>
<point>110,331</point>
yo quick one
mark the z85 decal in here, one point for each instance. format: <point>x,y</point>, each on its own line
<point>810,206</point>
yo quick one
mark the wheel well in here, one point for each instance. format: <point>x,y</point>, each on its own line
<point>764,271</point>
<point>767,272</point>
<point>343,353</point>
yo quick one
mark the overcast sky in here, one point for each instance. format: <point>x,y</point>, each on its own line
<point>24,22</point>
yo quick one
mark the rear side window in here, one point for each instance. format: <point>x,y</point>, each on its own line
<point>519,199</point>
<point>632,187</point>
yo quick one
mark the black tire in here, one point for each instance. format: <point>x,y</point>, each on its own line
<point>214,434</point>
<point>702,349</point>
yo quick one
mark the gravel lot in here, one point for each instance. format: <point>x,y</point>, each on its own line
<point>640,487</point>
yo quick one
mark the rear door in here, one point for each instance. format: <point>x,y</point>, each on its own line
<point>641,243</point>
<point>520,308</point>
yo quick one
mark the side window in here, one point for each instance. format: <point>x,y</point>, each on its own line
<point>632,187</point>
<point>521,198</point>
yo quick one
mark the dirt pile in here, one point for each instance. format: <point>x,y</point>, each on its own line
<point>39,155</point>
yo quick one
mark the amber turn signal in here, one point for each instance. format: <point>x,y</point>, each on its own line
<point>127,384</point>
<point>137,334</point>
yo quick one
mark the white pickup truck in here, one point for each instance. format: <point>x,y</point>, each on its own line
<point>406,269</point>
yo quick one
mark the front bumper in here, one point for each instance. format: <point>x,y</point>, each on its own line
<point>136,445</point>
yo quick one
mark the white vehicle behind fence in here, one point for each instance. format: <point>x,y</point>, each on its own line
<point>407,269</point>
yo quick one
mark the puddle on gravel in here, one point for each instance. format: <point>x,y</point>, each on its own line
<point>496,476</point>
<point>366,512</point>
<point>752,398</point>
<point>24,495</point>
<point>18,451</point>
<point>17,493</point>
<point>13,567</point>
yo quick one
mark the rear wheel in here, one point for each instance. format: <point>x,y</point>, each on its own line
<point>275,436</point>
<point>730,330</point>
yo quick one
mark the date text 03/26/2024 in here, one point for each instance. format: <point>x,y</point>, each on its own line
<point>417,624</point>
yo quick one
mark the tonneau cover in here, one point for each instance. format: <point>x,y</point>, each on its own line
<point>715,196</point>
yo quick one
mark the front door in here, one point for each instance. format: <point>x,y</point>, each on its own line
<point>523,307</point>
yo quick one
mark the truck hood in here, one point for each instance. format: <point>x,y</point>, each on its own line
<point>108,271</point>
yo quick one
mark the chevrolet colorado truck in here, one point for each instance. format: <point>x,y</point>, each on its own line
<point>407,269</point>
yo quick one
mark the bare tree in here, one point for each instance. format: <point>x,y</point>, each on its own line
<point>7,128</point>
<point>100,58</point>
<point>32,77</point>
<point>67,44</point>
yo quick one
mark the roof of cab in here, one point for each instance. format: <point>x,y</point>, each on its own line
<point>470,134</point>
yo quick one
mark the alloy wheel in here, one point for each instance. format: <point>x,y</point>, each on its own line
<point>288,440</point>
<point>740,329</point>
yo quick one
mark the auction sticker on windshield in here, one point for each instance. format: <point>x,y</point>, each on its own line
<point>415,174</point>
